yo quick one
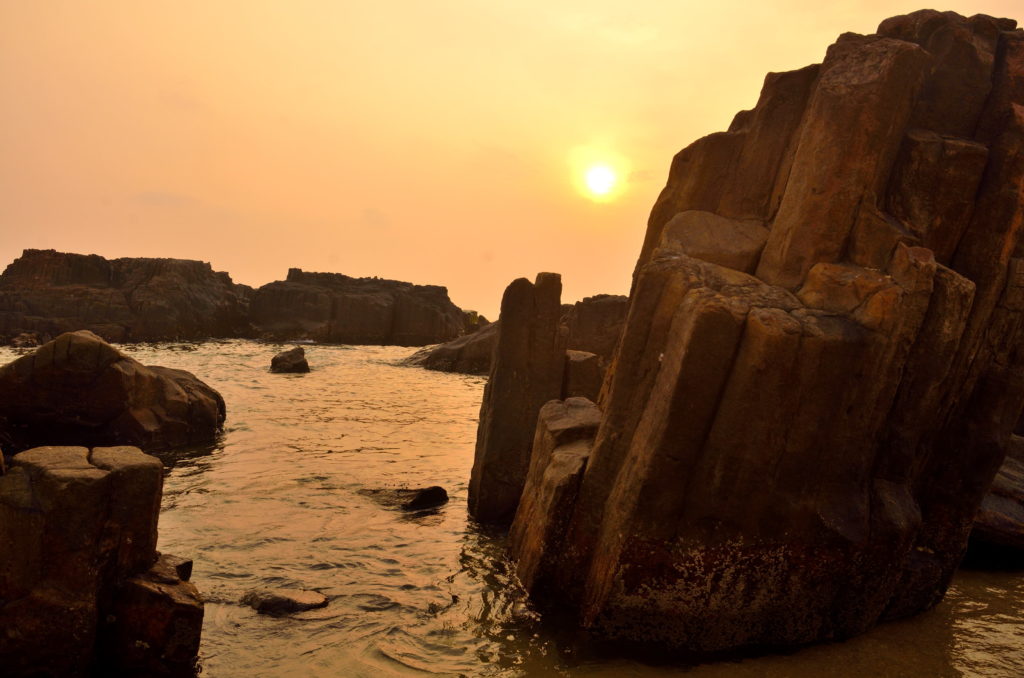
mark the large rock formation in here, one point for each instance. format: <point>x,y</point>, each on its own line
<point>83,590</point>
<point>332,307</point>
<point>45,292</point>
<point>79,389</point>
<point>821,366</point>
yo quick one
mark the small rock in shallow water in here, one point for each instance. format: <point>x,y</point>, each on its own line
<point>290,361</point>
<point>416,499</point>
<point>278,602</point>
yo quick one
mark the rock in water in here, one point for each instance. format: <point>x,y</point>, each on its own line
<point>45,292</point>
<point>469,354</point>
<point>335,308</point>
<point>79,389</point>
<point>409,499</point>
<point>797,454</point>
<point>82,585</point>
<point>280,602</point>
<point>293,360</point>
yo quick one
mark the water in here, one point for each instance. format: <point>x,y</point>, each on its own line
<point>276,503</point>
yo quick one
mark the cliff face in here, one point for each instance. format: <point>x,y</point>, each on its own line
<point>335,308</point>
<point>820,369</point>
<point>47,292</point>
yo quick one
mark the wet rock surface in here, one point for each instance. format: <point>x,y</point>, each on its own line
<point>81,584</point>
<point>290,361</point>
<point>281,602</point>
<point>417,499</point>
<point>794,439</point>
<point>79,389</point>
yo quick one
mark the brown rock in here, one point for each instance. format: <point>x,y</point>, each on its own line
<point>292,360</point>
<point>77,388</point>
<point>732,243</point>
<point>531,342</point>
<point>1000,520</point>
<point>469,354</point>
<point>583,375</point>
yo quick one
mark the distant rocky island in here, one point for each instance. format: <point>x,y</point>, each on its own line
<point>44,293</point>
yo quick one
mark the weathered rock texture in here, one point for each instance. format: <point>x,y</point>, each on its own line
<point>292,360</point>
<point>79,389</point>
<point>335,308</point>
<point>82,587</point>
<point>45,292</point>
<point>796,454</point>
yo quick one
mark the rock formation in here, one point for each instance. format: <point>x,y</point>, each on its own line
<point>820,370</point>
<point>999,524</point>
<point>280,602</point>
<point>593,326</point>
<point>79,389</point>
<point>335,308</point>
<point>293,360</point>
<point>83,590</point>
<point>45,293</point>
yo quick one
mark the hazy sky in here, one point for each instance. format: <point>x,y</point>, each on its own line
<point>435,141</point>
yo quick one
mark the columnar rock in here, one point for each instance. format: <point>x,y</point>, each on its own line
<point>45,292</point>
<point>526,372</point>
<point>335,308</point>
<point>82,587</point>
<point>79,389</point>
<point>795,438</point>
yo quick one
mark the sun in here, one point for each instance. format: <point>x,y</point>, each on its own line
<point>600,179</point>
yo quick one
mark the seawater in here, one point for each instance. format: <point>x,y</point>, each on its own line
<point>275,502</point>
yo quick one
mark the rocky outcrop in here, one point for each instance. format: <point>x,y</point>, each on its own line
<point>78,388</point>
<point>795,438</point>
<point>469,354</point>
<point>46,293</point>
<point>292,360</point>
<point>331,307</point>
<point>280,602</point>
<point>82,587</point>
<point>593,326</point>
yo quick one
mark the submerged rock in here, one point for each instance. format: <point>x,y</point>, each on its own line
<point>798,454</point>
<point>293,360</point>
<point>280,602</point>
<point>409,499</point>
<point>81,584</point>
<point>79,389</point>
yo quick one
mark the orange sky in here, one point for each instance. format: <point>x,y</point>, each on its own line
<point>429,141</point>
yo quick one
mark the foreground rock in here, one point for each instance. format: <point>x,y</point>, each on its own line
<point>280,602</point>
<point>469,354</point>
<point>795,455</point>
<point>82,587</point>
<point>78,388</point>
<point>332,307</point>
<point>293,360</point>
<point>46,293</point>
<point>419,499</point>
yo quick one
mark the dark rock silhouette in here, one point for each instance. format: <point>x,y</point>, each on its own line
<point>280,602</point>
<point>417,499</point>
<point>469,354</point>
<point>46,293</point>
<point>78,388</point>
<point>331,307</point>
<point>82,585</point>
<point>292,360</point>
<point>1000,520</point>
<point>793,455</point>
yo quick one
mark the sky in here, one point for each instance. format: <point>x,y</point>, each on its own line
<point>436,141</point>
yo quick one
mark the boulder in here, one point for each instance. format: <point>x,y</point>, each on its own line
<point>331,307</point>
<point>280,602</point>
<point>78,388</point>
<point>47,292</point>
<point>82,586</point>
<point>796,455</point>
<point>292,360</point>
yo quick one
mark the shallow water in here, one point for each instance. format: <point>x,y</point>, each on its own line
<point>275,503</point>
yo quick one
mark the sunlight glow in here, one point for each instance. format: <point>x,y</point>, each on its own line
<point>600,179</point>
